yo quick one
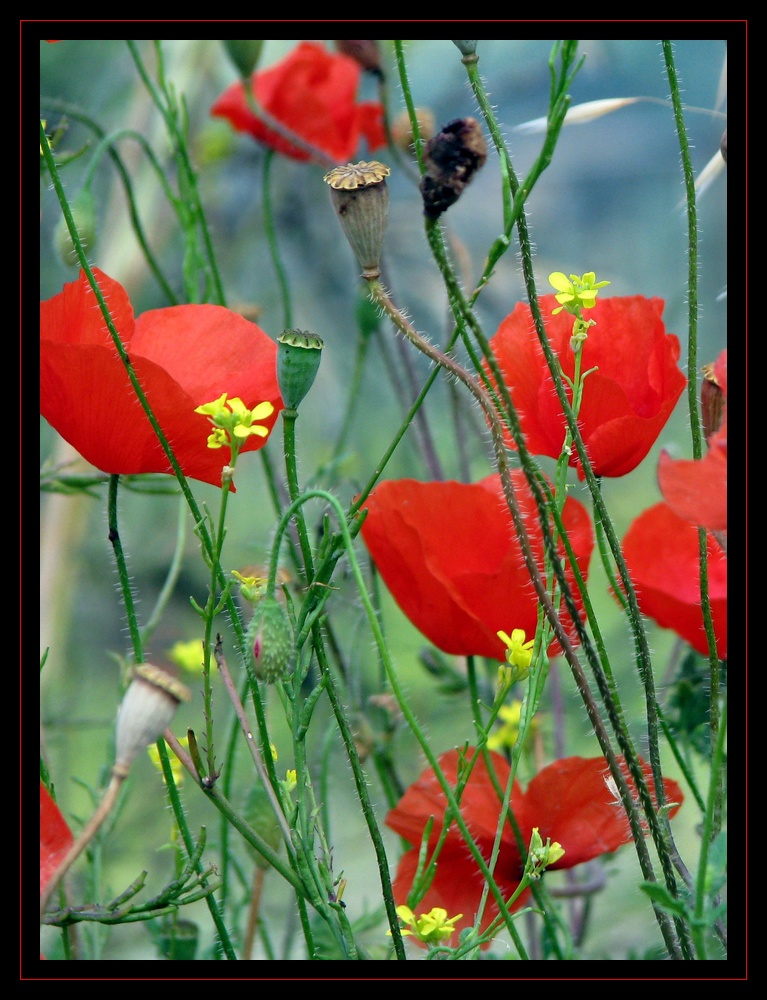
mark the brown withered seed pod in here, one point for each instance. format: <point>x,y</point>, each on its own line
<point>363,51</point>
<point>451,157</point>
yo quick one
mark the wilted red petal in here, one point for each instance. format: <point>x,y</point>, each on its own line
<point>55,837</point>
<point>183,356</point>
<point>448,553</point>
<point>661,551</point>
<point>626,402</point>
<point>312,92</point>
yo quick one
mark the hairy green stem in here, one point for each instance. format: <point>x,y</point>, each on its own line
<point>692,396</point>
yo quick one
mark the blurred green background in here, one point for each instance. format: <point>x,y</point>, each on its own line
<point>612,202</point>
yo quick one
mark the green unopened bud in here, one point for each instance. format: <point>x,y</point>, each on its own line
<point>270,637</point>
<point>83,209</point>
<point>178,940</point>
<point>259,814</point>
<point>298,358</point>
<point>244,54</point>
<point>360,198</point>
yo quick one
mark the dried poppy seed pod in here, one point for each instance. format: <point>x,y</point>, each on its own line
<point>723,146</point>
<point>298,360</point>
<point>363,51</point>
<point>360,198</point>
<point>147,708</point>
<point>451,158</point>
<point>270,636</point>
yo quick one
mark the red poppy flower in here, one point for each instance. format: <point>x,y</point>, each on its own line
<point>626,402</point>
<point>661,552</point>
<point>183,356</point>
<point>570,802</point>
<point>312,92</point>
<point>697,490</point>
<point>449,554</point>
<point>55,837</point>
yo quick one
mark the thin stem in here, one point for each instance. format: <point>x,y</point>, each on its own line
<point>692,394</point>
<point>271,236</point>
<point>122,570</point>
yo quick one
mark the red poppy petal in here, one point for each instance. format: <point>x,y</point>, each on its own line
<point>208,350</point>
<point>571,802</point>
<point>720,370</point>
<point>450,557</point>
<point>626,401</point>
<point>697,490</point>
<point>661,551</point>
<point>183,356</point>
<point>312,92</point>
<point>457,888</point>
<point>480,803</point>
<point>371,124</point>
<point>73,316</point>
<point>55,837</point>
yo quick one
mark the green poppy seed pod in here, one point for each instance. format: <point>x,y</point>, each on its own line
<point>147,708</point>
<point>466,47</point>
<point>298,359</point>
<point>259,813</point>
<point>83,209</point>
<point>178,940</point>
<point>360,198</point>
<point>270,638</point>
<point>244,54</point>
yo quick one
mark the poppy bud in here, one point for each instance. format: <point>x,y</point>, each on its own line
<point>83,210</point>
<point>270,636</point>
<point>259,814</point>
<point>298,359</point>
<point>244,54</point>
<point>451,158</point>
<point>360,198</point>
<point>178,940</point>
<point>146,710</point>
